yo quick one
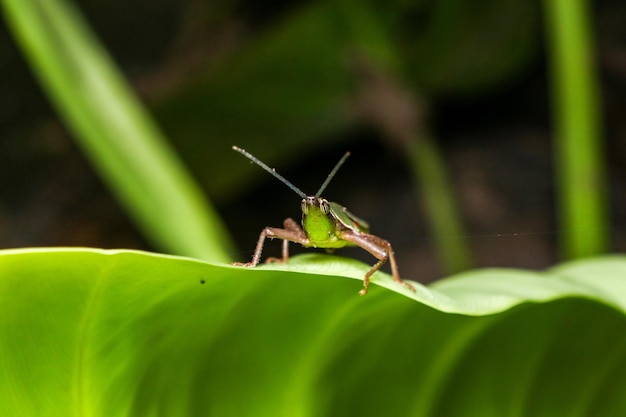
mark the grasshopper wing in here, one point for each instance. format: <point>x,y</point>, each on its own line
<point>348,219</point>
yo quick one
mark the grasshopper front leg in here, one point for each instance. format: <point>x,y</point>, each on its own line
<point>291,233</point>
<point>381,249</point>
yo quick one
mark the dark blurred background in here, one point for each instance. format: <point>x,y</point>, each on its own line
<point>282,80</point>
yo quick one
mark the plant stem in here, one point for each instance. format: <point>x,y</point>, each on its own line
<point>429,172</point>
<point>579,163</point>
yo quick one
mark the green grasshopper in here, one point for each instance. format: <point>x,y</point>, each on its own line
<point>325,225</point>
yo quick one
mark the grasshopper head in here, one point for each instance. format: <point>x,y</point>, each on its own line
<point>319,223</point>
<point>312,205</point>
<point>324,222</point>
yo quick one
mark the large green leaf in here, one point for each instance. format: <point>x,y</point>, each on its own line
<point>118,333</point>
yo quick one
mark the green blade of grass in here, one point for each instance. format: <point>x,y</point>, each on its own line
<point>114,129</point>
<point>579,162</point>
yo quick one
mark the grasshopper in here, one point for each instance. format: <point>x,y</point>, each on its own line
<point>325,225</point>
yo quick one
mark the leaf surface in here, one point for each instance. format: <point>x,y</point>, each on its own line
<point>90,332</point>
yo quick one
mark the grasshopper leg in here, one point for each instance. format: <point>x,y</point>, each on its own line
<point>290,225</point>
<point>291,233</point>
<point>381,249</point>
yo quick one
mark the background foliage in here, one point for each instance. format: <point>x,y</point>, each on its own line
<point>450,101</point>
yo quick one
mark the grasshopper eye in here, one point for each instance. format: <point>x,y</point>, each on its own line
<point>325,207</point>
<point>304,206</point>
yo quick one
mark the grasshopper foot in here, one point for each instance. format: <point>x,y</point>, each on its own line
<point>246,264</point>
<point>274,260</point>
<point>407,285</point>
<point>403,283</point>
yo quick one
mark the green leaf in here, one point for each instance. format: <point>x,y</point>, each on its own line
<point>90,332</point>
<point>115,131</point>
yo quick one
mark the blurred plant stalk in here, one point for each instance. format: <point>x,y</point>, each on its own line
<point>400,116</point>
<point>580,166</point>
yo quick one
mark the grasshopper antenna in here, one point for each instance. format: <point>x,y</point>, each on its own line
<point>273,171</point>
<point>332,174</point>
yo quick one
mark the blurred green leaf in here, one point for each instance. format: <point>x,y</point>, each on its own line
<point>456,47</point>
<point>116,333</point>
<point>115,131</point>
<point>285,92</point>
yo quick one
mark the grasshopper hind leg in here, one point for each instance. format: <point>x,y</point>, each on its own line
<point>381,249</point>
